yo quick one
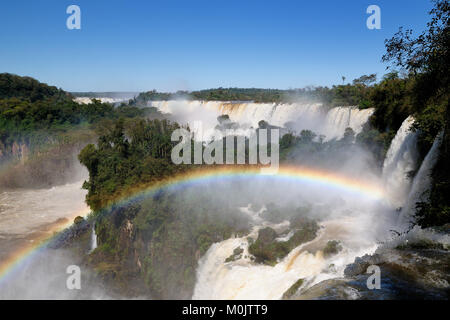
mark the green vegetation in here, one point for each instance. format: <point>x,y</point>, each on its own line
<point>117,164</point>
<point>28,106</point>
<point>293,289</point>
<point>426,58</point>
<point>268,251</point>
<point>13,86</point>
<point>332,247</point>
<point>237,254</point>
<point>160,237</point>
<point>41,128</point>
<point>78,220</point>
<point>356,94</point>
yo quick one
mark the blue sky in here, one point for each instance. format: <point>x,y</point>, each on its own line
<point>131,45</point>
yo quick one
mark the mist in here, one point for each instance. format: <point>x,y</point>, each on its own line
<point>249,204</point>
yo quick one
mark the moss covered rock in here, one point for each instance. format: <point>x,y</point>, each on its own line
<point>332,247</point>
<point>237,254</point>
<point>293,289</point>
<point>268,251</point>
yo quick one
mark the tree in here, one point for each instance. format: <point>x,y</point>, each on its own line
<point>426,57</point>
<point>365,80</point>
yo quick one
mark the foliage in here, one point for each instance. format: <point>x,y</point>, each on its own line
<point>167,231</point>
<point>293,289</point>
<point>341,95</point>
<point>267,250</point>
<point>426,58</point>
<point>118,163</point>
<point>331,248</point>
<point>25,87</point>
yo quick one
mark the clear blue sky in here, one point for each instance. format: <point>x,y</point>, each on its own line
<point>131,45</point>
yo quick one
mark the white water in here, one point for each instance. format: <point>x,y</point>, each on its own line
<point>93,239</point>
<point>244,279</point>
<point>358,233</point>
<point>24,213</point>
<point>88,100</point>
<point>401,159</point>
<point>298,116</point>
<point>420,185</point>
<point>340,118</point>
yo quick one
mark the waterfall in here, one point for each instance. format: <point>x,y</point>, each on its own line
<point>93,239</point>
<point>245,279</point>
<point>298,116</point>
<point>401,159</point>
<point>420,185</point>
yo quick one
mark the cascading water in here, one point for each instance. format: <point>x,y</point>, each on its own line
<point>401,159</point>
<point>420,185</point>
<point>245,279</point>
<point>298,116</point>
<point>93,239</point>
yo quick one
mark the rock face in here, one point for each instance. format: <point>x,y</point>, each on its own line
<point>267,235</point>
<point>293,289</point>
<point>151,246</point>
<point>72,235</point>
<point>361,264</point>
<point>268,251</point>
<point>404,274</point>
<point>18,151</point>
<point>42,162</point>
<point>332,248</point>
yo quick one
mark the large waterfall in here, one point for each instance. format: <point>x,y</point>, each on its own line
<point>401,159</point>
<point>244,279</point>
<point>296,116</point>
<point>420,185</point>
<point>355,226</point>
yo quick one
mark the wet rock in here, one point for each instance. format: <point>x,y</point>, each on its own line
<point>361,264</point>
<point>67,237</point>
<point>404,274</point>
<point>293,289</point>
<point>267,235</point>
<point>237,254</point>
<point>332,247</point>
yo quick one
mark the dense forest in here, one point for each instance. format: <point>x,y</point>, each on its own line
<point>27,106</point>
<point>41,128</point>
<point>356,93</point>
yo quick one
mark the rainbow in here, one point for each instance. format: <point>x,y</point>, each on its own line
<point>320,178</point>
<point>28,251</point>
